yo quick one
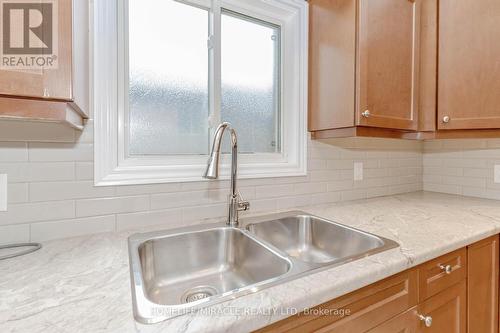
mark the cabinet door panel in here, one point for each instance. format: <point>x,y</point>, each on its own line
<point>447,310</point>
<point>469,67</point>
<point>482,286</point>
<point>45,82</point>
<point>388,58</point>
<point>403,323</point>
<point>368,307</point>
<point>332,40</point>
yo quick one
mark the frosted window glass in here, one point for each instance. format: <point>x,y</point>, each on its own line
<point>168,78</point>
<point>250,82</point>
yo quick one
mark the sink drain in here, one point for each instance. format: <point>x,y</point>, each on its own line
<point>198,293</point>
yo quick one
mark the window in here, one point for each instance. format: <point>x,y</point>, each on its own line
<point>167,72</point>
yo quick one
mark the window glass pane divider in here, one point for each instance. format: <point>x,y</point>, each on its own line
<point>123,79</point>
<point>215,67</point>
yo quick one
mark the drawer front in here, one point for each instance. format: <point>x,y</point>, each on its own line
<point>441,273</point>
<point>367,307</point>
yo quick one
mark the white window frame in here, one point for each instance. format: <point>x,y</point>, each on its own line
<point>113,167</point>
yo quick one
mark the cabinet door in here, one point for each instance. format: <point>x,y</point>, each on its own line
<point>447,311</point>
<point>406,322</point>
<point>388,63</point>
<point>469,67</point>
<point>46,83</point>
<point>482,286</point>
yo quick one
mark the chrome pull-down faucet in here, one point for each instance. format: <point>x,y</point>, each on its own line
<point>236,203</point>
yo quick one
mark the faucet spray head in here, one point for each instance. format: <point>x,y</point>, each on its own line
<point>212,170</point>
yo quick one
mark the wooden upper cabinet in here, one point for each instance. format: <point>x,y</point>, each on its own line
<point>363,67</point>
<point>469,64</point>
<point>46,83</point>
<point>332,63</point>
<point>53,94</point>
<point>388,64</point>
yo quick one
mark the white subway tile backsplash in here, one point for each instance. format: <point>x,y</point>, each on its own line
<point>326,175</point>
<point>45,231</point>
<point>51,187</point>
<point>14,234</point>
<point>13,151</point>
<point>309,188</point>
<point>464,181</point>
<point>273,191</point>
<point>263,205</point>
<point>378,192</point>
<point>200,213</point>
<point>179,199</point>
<point>105,206</point>
<point>328,197</point>
<point>288,180</point>
<point>450,189</point>
<point>68,190</point>
<point>462,167</point>
<point>84,171</point>
<point>38,172</point>
<point>316,164</point>
<point>147,189</point>
<point>60,151</point>
<point>169,218</point>
<point>293,202</point>
<point>353,195</point>
<point>40,211</point>
<point>340,185</point>
<point>17,193</point>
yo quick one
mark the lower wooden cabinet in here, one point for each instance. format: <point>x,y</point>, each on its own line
<point>367,307</point>
<point>482,286</point>
<point>444,312</point>
<point>455,293</point>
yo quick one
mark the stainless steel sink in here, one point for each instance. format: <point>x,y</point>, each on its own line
<point>177,271</point>
<point>190,267</point>
<point>315,240</point>
<point>173,272</point>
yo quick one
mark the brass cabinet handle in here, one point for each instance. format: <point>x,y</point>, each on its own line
<point>426,319</point>
<point>446,268</point>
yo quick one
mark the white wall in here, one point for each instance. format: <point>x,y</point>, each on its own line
<point>464,167</point>
<point>51,193</point>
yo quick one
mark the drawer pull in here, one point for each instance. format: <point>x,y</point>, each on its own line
<point>366,114</point>
<point>446,268</point>
<point>426,319</point>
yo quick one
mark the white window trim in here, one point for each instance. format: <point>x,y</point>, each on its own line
<point>112,167</point>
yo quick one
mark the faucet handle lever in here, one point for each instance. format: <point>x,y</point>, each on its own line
<point>243,205</point>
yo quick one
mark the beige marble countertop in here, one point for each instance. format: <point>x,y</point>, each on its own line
<point>82,284</point>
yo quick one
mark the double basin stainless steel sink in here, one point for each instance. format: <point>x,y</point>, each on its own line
<point>178,271</point>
